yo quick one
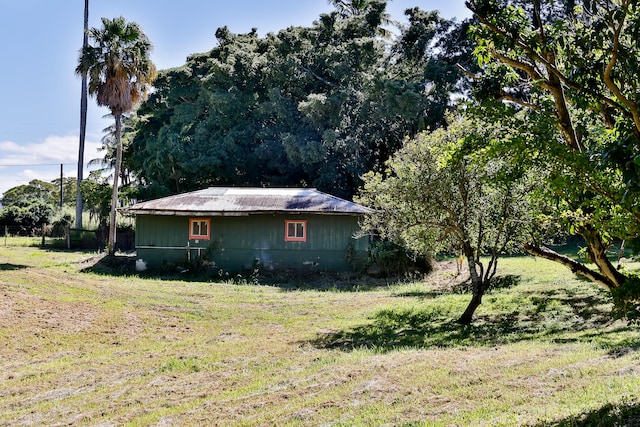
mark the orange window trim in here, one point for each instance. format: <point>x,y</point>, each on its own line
<point>295,237</point>
<point>206,235</point>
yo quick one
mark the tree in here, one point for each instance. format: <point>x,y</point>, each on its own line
<point>97,192</point>
<point>83,121</point>
<point>573,66</point>
<point>370,9</point>
<point>441,192</point>
<point>36,189</point>
<point>29,206</point>
<point>120,73</point>
<point>309,106</point>
<point>69,185</point>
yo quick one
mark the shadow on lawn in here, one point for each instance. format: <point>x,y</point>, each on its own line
<point>562,316</point>
<point>10,267</point>
<point>289,280</point>
<point>627,414</point>
<point>113,265</point>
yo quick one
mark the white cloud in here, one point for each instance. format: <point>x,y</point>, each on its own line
<point>20,164</point>
<point>54,149</point>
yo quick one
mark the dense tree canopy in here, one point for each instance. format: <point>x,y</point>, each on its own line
<point>573,66</point>
<point>316,106</point>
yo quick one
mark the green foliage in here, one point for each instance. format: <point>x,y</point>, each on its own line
<point>314,106</point>
<point>120,72</point>
<point>568,72</point>
<point>445,192</point>
<point>392,259</point>
<point>60,225</point>
<point>35,190</point>
<point>29,215</point>
<point>68,191</point>
<point>117,65</point>
<point>584,89</point>
<point>29,206</point>
<point>626,300</point>
<point>439,191</point>
<point>96,193</point>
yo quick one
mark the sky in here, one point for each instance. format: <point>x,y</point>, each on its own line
<point>39,45</point>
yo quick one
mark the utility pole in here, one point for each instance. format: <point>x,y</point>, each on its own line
<point>61,187</point>
<point>83,123</point>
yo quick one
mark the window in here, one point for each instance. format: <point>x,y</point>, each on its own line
<point>199,229</point>
<point>295,231</point>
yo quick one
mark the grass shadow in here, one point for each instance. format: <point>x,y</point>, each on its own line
<point>556,316</point>
<point>625,414</point>
<point>394,329</point>
<point>11,267</point>
<point>123,265</point>
<point>324,281</point>
<point>110,264</point>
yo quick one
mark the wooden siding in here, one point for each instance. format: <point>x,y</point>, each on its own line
<point>240,243</point>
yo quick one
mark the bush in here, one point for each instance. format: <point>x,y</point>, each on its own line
<point>390,259</point>
<point>626,300</point>
<point>59,227</point>
<point>29,216</point>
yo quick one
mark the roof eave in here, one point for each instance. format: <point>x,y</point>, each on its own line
<point>236,213</point>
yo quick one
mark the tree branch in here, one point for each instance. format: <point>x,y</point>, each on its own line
<point>608,80</point>
<point>573,265</point>
<point>549,65</point>
<point>316,76</point>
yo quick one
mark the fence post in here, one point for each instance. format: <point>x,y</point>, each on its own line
<point>68,233</point>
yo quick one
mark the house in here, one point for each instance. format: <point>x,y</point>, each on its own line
<point>232,229</point>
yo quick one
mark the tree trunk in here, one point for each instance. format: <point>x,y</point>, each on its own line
<point>598,255</point>
<point>467,316</point>
<point>477,284</point>
<point>114,193</point>
<point>83,124</point>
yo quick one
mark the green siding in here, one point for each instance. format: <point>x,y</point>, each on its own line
<point>239,243</point>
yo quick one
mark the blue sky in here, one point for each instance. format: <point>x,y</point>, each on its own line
<point>39,45</point>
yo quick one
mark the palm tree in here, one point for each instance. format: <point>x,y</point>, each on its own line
<point>83,122</point>
<point>352,8</point>
<point>347,8</point>
<point>107,163</point>
<point>120,74</point>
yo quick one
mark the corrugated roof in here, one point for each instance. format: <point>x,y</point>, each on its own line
<point>248,200</point>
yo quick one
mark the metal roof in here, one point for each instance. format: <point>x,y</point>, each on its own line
<point>234,201</point>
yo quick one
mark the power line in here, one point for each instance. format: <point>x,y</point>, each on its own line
<point>37,164</point>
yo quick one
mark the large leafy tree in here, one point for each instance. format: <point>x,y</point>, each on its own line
<point>120,72</point>
<point>573,66</point>
<point>443,192</point>
<point>35,190</point>
<point>316,106</point>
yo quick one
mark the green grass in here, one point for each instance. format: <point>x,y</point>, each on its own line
<point>81,346</point>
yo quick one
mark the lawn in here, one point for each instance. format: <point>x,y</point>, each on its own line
<point>81,346</point>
